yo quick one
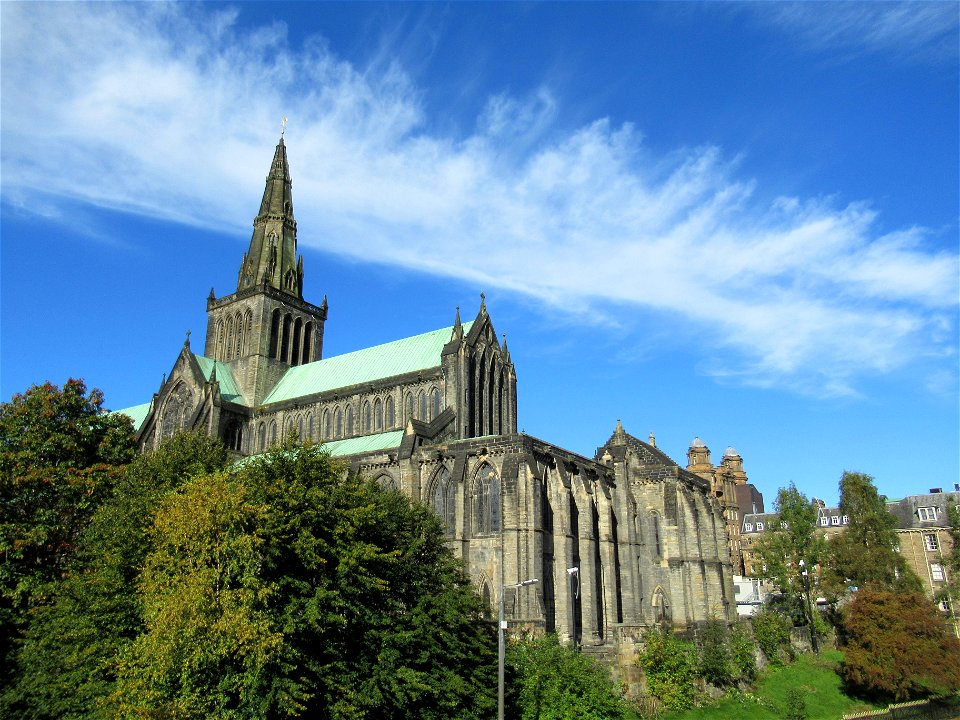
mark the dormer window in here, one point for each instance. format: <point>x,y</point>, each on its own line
<point>927,514</point>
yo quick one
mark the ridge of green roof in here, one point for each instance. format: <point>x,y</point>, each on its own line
<point>137,413</point>
<point>228,386</point>
<point>419,352</point>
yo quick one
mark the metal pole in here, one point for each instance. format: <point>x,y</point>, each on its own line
<point>501,623</point>
<point>501,628</point>
<point>813,632</point>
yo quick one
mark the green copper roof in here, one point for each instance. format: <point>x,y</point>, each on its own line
<point>228,386</point>
<point>367,443</point>
<point>420,352</point>
<point>137,413</point>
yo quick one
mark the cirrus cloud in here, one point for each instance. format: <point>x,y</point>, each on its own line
<point>165,115</point>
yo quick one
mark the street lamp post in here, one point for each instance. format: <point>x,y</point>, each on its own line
<point>501,627</point>
<point>806,585</point>
<point>574,574</point>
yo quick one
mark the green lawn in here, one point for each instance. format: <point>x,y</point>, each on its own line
<point>815,675</point>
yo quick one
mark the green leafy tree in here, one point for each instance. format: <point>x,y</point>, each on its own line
<point>899,646</point>
<point>670,666</point>
<point>287,588</point>
<point>865,554</point>
<point>60,453</point>
<point>549,681</point>
<point>66,664</point>
<point>792,547</point>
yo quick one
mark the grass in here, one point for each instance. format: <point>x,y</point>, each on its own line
<point>816,676</point>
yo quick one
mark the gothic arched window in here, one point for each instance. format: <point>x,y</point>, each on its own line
<point>444,500</point>
<point>390,418</point>
<point>326,425</point>
<point>422,397</point>
<point>409,414</point>
<point>310,426</point>
<point>378,415</point>
<point>434,403</point>
<point>349,420</point>
<point>176,410</point>
<point>262,437</point>
<point>338,423</point>
<point>486,502</point>
<point>366,422</point>
<point>273,432</point>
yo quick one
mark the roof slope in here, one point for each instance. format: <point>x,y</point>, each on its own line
<point>228,386</point>
<point>137,413</point>
<point>420,352</point>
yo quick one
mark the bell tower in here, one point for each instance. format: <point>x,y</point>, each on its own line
<point>266,326</point>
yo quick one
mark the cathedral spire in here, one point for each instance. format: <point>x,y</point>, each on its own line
<point>272,257</point>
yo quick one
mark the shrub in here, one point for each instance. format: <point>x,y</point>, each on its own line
<point>716,663</point>
<point>741,652</point>
<point>796,706</point>
<point>772,632</point>
<point>550,681</point>
<point>899,647</point>
<point>670,666</point>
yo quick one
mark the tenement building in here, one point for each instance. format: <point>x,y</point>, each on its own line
<point>617,542</point>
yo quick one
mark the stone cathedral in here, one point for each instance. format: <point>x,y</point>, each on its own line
<point>617,542</point>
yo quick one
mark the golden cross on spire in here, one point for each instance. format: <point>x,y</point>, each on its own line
<point>283,126</point>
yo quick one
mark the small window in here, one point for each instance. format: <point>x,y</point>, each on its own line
<point>748,527</point>
<point>930,542</point>
<point>845,520</point>
<point>945,605</point>
<point>835,520</point>
<point>824,521</point>
<point>759,526</point>
<point>936,572</point>
<point>927,514</point>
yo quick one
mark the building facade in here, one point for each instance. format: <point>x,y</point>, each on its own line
<point>617,542</point>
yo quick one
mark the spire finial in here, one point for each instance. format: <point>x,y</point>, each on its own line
<point>483,302</point>
<point>283,127</point>
<point>186,343</point>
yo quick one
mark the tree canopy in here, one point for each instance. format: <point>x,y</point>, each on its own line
<point>60,453</point>
<point>276,588</point>
<point>97,610</point>
<point>865,554</point>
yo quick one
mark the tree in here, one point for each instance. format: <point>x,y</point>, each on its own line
<point>60,453</point>
<point>865,554</point>
<point>793,547</point>
<point>549,681</point>
<point>899,646</point>
<point>66,662</point>
<point>289,588</point>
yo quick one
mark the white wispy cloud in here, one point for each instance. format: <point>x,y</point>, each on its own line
<point>167,114</point>
<point>918,30</point>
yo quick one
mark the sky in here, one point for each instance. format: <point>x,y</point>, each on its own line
<point>732,221</point>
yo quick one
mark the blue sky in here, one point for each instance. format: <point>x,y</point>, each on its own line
<point>732,221</point>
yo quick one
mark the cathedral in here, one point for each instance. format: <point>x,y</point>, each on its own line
<point>616,542</point>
